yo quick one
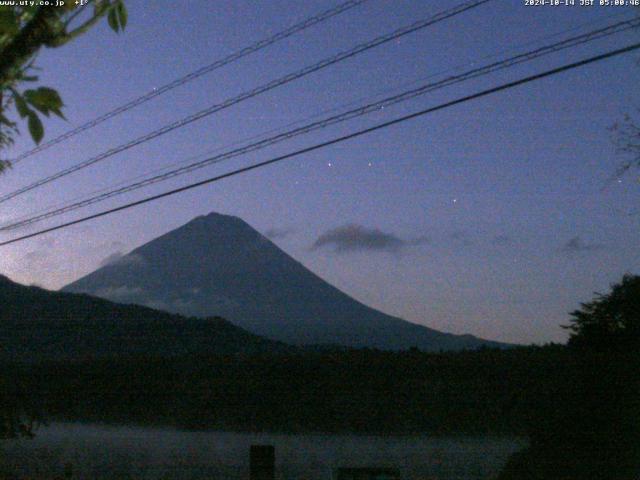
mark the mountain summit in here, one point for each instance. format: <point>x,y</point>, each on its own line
<point>219,265</point>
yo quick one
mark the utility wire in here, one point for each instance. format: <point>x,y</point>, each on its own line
<point>265,42</point>
<point>95,197</point>
<point>442,106</point>
<point>332,120</point>
<point>253,93</point>
<point>283,128</point>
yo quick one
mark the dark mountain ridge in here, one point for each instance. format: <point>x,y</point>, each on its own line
<point>37,324</point>
<point>219,265</point>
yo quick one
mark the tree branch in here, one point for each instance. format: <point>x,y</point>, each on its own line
<point>66,37</point>
<point>39,31</point>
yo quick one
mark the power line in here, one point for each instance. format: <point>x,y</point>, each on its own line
<point>265,42</point>
<point>282,128</point>
<point>332,120</point>
<point>334,141</point>
<point>420,24</point>
<point>203,155</point>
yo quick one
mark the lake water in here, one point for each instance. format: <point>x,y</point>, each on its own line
<point>108,452</point>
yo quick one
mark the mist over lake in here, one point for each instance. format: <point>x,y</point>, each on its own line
<point>109,452</point>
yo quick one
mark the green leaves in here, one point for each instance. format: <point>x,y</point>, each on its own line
<point>5,121</point>
<point>9,22</point>
<point>4,164</point>
<point>21,105</point>
<point>117,16</point>
<point>31,104</point>
<point>35,127</point>
<point>9,25</point>
<point>45,100</point>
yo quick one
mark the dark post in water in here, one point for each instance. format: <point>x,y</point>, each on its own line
<point>262,460</point>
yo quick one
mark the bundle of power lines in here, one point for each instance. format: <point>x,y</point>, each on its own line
<point>305,126</point>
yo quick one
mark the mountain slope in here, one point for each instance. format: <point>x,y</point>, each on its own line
<point>37,324</point>
<point>219,265</point>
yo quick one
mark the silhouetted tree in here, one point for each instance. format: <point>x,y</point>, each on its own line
<point>588,428</point>
<point>610,321</point>
<point>627,140</point>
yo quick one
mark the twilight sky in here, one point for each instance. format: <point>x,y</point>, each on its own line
<point>487,218</point>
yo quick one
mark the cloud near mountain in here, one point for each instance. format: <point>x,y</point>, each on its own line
<point>354,238</point>
<point>577,245</point>
<point>278,233</point>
